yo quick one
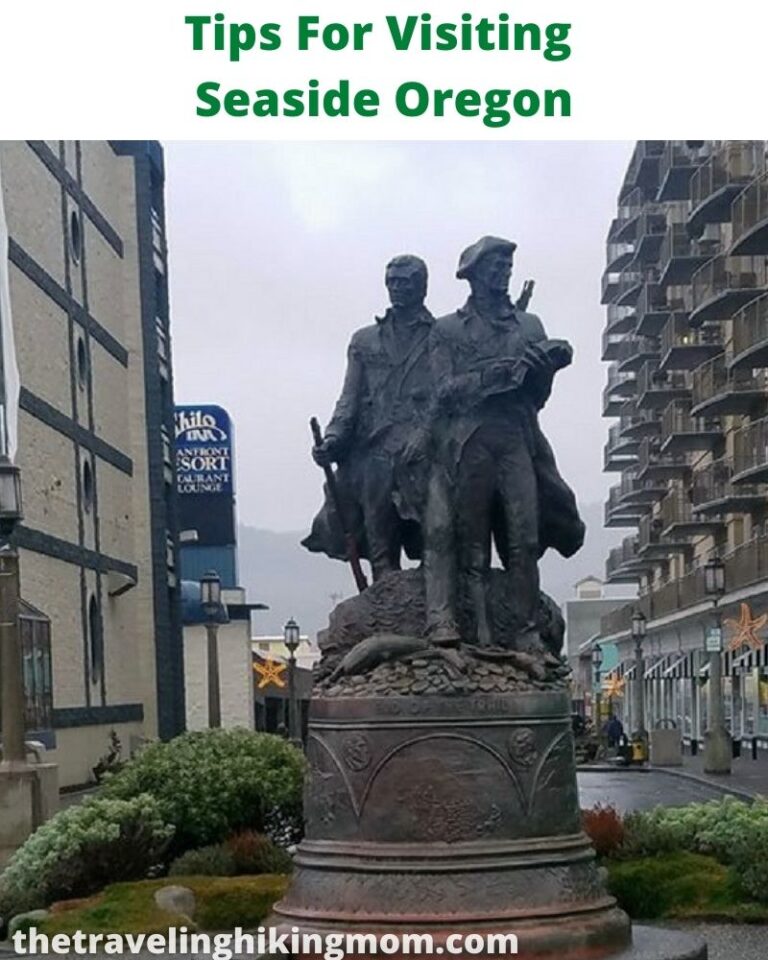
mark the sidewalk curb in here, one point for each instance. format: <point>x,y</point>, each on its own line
<point>671,772</point>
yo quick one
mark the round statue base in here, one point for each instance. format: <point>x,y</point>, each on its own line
<point>456,815</point>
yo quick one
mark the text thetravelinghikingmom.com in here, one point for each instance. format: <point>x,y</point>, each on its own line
<point>225,946</point>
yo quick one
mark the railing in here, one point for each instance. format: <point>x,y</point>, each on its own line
<point>652,222</point>
<point>677,154</point>
<point>713,483</point>
<point>735,162</point>
<point>651,379</point>
<point>617,379</point>
<point>750,325</point>
<point>722,273</point>
<point>713,378</point>
<point>618,251</point>
<point>644,150</point>
<point>750,447</point>
<point>676,508</point>
<point>617,317</point>
<point>628,280</point>
<point>750,207</point>
<point>652,299</point>
<point>635,347</point>
<point>677,420</point>
<point>678,332</point>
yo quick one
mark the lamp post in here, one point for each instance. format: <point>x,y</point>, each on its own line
<point>11,671</point>
<point>597,662</point>
<point>717,744</point>
<point>292,638</point>
<point>638,635</point>
<point>210,599</point>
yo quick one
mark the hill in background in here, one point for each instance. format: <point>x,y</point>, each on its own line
<point>275,569</point>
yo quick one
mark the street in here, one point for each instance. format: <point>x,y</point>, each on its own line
<point>641,791</point>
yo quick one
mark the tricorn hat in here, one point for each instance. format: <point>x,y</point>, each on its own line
<point>471,255</point>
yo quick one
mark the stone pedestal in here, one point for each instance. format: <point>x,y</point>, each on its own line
<point>29,795</point>
<point>444,815</point>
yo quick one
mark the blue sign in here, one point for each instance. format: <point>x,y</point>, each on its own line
<point>203,451</point>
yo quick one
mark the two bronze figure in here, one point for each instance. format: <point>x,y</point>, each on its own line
<point>439,451</point>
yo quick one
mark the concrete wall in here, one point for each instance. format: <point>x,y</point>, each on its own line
<point>235,674</point>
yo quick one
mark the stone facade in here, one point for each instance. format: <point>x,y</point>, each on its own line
<point>88,287</point>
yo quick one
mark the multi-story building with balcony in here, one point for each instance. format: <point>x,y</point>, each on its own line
<point>686,340</point>
<point>88,282</point>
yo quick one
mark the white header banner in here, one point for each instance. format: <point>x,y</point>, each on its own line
<point>390,69</point>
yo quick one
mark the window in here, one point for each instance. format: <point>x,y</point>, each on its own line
<point>75,236</point>
<point>87,485</point>
<point>35,629</point>
<point>82,362</point>
<point>95,640</point>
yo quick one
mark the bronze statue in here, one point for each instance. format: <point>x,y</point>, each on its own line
<point>494,477</point>
<point>386,398</point>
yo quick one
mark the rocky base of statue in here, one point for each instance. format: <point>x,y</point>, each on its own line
<point>384,628</point>
<point>446,815</point>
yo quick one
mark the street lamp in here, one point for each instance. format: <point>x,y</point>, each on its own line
<point>597,662</point>
<point>292,639</point>
<point>210,600</point>
<point>638,635</point>
<point>717,745</point>
<point>11,672</point>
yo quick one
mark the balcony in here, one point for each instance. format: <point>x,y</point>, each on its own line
<point>610,285</point>
<point>619,255</point>
<point>635,351</point>
<point>636,424</point>
<point>652,464</point>
<point>677,165</point>
<point>653,545</point>
<point>720,179</point>
<point>620,319</point>
<point>682,433</point>
<point>749,215</point>
<point>611,345</point>
<point>713,490</point>
<point>637,492</point>
<point>750,336</point>
<point>643,168</point>
<point>652,310</point>
<point>679,522</point>
<point>685,348</point>
<point>718,391</point>
<point>624,228</point>
<point>651,227</point>
<point>619,452</point>
<point>656,388</point>
<point>619,514</point>
<point>750,453</point>
<point>617,389</point>
<point>680,256</point>
<point>624,563</point>
<point>629,285</point>
<point>724,285</point>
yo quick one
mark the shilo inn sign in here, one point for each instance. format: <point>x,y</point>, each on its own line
<point>203,450</point>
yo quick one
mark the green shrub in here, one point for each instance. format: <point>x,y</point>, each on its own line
<point>214,782</point>
<point>669,885</point>
<point>255,853</point>
<point>83,848</point>
<point>732,831</point>
<point>213,861</point>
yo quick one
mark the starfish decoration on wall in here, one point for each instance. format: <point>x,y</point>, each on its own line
<point>745,629</point>
<point>270,671</point>
<point>614,686</point>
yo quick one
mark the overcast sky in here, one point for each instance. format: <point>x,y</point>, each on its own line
<point>277,254</point>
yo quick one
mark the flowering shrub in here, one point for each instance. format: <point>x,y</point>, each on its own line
<point>212,783</point>
<point>734,832</point>
<point>83,848</point>
<point>604,827</point>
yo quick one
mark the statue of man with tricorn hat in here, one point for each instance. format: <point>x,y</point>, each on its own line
<point>386,399</point>
<point>494,479</point>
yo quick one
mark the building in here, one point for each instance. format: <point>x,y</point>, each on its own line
<point>204,451</point>
<point>583,615</point>
<point>274,648</point>
<point>686,337</point>
<point>88,284</point>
